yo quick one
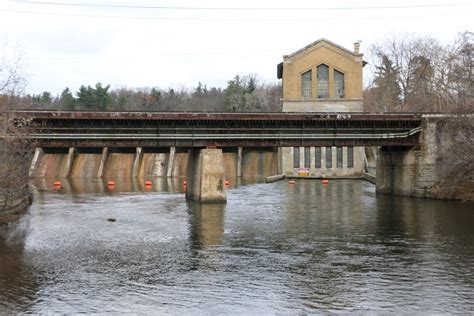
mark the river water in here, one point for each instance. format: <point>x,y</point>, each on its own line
<point>273,248</point>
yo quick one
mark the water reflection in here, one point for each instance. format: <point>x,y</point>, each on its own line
<point>101,185</point>
<point>207,224</point>
<point>18,284</point>
<point>123,184</point>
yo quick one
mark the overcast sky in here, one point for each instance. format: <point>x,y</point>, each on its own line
<point>159,43</point>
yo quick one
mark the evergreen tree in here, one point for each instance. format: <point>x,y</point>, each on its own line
<point>387,89</point>
<point>94,99</point>
<point>155,99</point>
<point>234,97</point>
<point>66,100</point>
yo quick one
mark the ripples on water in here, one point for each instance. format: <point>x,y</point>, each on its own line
<point>273,248</point>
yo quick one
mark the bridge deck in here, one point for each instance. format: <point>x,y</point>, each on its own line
<point>199,129</point>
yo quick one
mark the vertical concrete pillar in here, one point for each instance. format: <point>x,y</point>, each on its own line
<point>35,161</point>
<point>239,162</point>
<point>169,172</point>
<point>205,176</point>
<point>136,162</point>
<point>280,161</point>
<point>69,161</point>
<point>103,159</point>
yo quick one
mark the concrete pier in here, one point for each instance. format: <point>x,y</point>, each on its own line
<point>69,161</point>
<point>169,172</point>
<point>35,162</point>
<point>136,162</point>
<point>103,159</point>
<point>239,162</point>
<point>205,176</point>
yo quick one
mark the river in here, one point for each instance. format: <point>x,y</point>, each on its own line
<point>272,249</point>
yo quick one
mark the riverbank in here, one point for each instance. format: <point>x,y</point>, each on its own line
<point>13,208</point>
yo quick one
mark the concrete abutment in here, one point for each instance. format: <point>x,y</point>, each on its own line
<point>413,171</point>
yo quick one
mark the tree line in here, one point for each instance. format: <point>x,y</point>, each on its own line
<point>242,94</point>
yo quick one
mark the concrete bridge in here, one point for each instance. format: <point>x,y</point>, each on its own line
<point>406,142</point>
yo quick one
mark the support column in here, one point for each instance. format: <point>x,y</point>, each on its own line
<point>239,162</point>
<point>69,161</point>
<point>136,162</point>
<point>35,162</point>
<point>205,176</point>
<point>103,159</point>
<point>169,172</point>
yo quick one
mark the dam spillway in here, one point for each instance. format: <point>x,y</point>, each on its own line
<point>108,163</point>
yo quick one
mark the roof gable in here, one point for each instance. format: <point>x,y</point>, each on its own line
<point>321,40</point>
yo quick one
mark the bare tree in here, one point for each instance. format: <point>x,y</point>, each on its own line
<point>15,148</point>
<point>11,81</point>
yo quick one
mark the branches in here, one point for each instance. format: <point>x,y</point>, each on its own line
<point>415,73</point>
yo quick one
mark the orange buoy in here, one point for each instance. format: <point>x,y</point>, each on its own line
<point>325,181</point>
<point>110,185</point>
<point>291,182</point>
<point>226,182</point>
<point>148,183</point>
<point>57,184</point>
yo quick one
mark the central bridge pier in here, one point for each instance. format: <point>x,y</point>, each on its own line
<point>205,176</point>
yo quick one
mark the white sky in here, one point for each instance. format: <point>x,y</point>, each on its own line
<point>70,45</point>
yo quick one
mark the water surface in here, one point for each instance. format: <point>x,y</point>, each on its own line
<point>273,248</point>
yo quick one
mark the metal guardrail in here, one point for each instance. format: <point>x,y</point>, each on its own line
<point>225,136</point>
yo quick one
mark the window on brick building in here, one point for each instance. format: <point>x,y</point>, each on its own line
<point>338,85</point>
<point>306,85</point>
<point>323,81</point>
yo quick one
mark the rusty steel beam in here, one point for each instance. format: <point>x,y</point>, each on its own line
<point>217,116</point>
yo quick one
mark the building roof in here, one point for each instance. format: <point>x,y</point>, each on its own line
<point>280,65</point>
<point>319,41</point>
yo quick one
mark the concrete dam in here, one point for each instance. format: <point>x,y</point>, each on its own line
<point>246,163</point>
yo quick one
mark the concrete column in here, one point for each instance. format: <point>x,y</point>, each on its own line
<point>69,161</point>
<point>280,161</point>
<point>103,159</point>
<point>205,176</point>
<point>136,162</point>
<point>239,162</point>
<point>169,172</point>
<point>35,161</point>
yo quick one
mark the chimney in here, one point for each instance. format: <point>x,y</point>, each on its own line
<point>356,47</point>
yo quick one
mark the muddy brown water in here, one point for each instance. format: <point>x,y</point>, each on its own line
<point>272,249</point>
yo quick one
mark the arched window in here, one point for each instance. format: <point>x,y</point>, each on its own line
<point>338,85</point>
<point>306,85</point>
<point>323,81</point>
